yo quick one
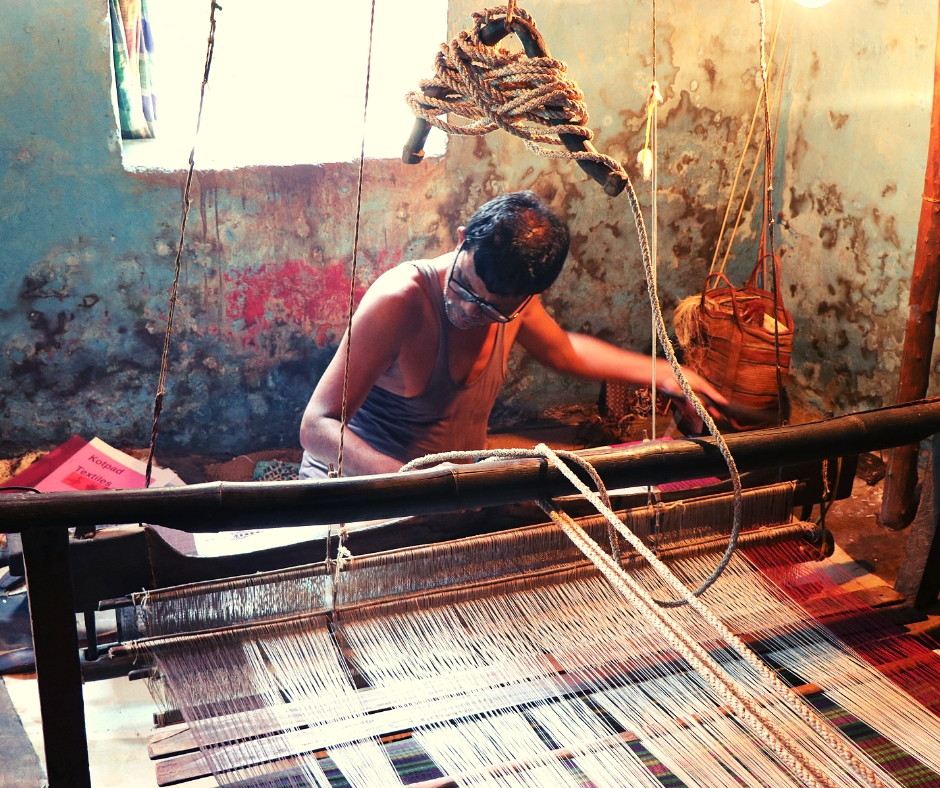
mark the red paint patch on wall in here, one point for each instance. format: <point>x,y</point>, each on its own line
<point>291,293</point>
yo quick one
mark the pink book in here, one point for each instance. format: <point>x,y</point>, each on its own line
<point>90,465</point>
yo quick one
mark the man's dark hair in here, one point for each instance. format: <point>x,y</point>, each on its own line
<point>519,245</point>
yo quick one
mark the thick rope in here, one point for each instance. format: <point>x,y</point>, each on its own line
<point>745,706</point>
<point>691,397</point>
<point>522,454</point>
<point>541,452</point>
<point>455,75</point>
<point>496,89</point>
<point>174,293</point>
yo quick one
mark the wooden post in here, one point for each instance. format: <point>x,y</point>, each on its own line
<point>55,645</point>
<point>221,506</point>
<point>897,503</point>
<point>919,576</point>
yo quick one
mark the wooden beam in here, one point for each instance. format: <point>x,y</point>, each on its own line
<point>55,644</point>
<point>897,502</point>
<point>236,506</point>
<point>919,576</point>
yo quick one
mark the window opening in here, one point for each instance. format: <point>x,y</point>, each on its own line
<point>288,86</point>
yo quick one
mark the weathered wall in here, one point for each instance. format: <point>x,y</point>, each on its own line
<point>854,150</point>
<point>87,249</point>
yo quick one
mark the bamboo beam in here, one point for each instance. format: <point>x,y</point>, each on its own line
<point>897,501</point>
<point>241,505</point>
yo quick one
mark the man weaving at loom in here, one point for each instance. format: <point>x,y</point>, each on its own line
<point>405,400</point>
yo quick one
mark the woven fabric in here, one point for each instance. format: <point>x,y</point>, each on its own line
<point>132,44</point>
<point>414,765</point>
<point>409,758</point>
<point>905,769</point>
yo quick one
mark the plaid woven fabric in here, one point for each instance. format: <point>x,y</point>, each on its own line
<point>409,758</point>
<point>651,762</point>
<point>904,768</point>
<point>414,765</point>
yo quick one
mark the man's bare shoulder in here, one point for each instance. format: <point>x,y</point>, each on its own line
<point>404,285</point>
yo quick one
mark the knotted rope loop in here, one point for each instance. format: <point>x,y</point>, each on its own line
<point>529,97</point>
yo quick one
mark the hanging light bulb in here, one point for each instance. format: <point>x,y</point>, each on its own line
<point>812,3</point>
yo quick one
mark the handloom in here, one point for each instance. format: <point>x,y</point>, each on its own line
<point>43,521</point>
<point>509,659</point>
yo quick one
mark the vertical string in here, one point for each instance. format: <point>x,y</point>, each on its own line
<point>734,184</point>
<point>174,292</point>
<point>341,548</point>
<point>355,255</point>
<point>768,137</point>
<point>652,120</point>
<point>769,211</point>
<point>654,217</point>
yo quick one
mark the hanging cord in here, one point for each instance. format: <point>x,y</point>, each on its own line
<point>669,351</point>
<point>691,648</point>
<point>496,89</point>
<point>769,209</point>
<point>743,158</point>
<point>685,644</point>
<point>690,395</point>
<point>601,499</point>
<point>768,136</point>
<point>174,293</point>
<point>647,159</point>
<point>352,277</point>
<point>343,556</point>
<point>652,122</point>
<point>740,214</point>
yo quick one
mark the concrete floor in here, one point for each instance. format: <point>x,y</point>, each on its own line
<point>118,719</point>
<point>853,522</point>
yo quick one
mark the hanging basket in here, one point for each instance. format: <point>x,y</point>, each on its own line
<point>734,337</point>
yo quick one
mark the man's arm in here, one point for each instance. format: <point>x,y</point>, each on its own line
<point>588,357</point>
<point>387,316</point>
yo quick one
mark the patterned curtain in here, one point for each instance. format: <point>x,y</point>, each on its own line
<point>132,43</point>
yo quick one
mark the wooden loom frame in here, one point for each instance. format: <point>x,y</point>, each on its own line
<point>43,522</point>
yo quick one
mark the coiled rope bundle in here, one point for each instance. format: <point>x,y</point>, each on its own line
<point>526,94</point>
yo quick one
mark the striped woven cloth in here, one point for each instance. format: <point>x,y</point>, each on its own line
<point>414,765</point>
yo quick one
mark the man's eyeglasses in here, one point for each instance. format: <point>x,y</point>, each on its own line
<point>490,311</point>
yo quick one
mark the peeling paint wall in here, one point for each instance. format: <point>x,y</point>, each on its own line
<point>87,248</point>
